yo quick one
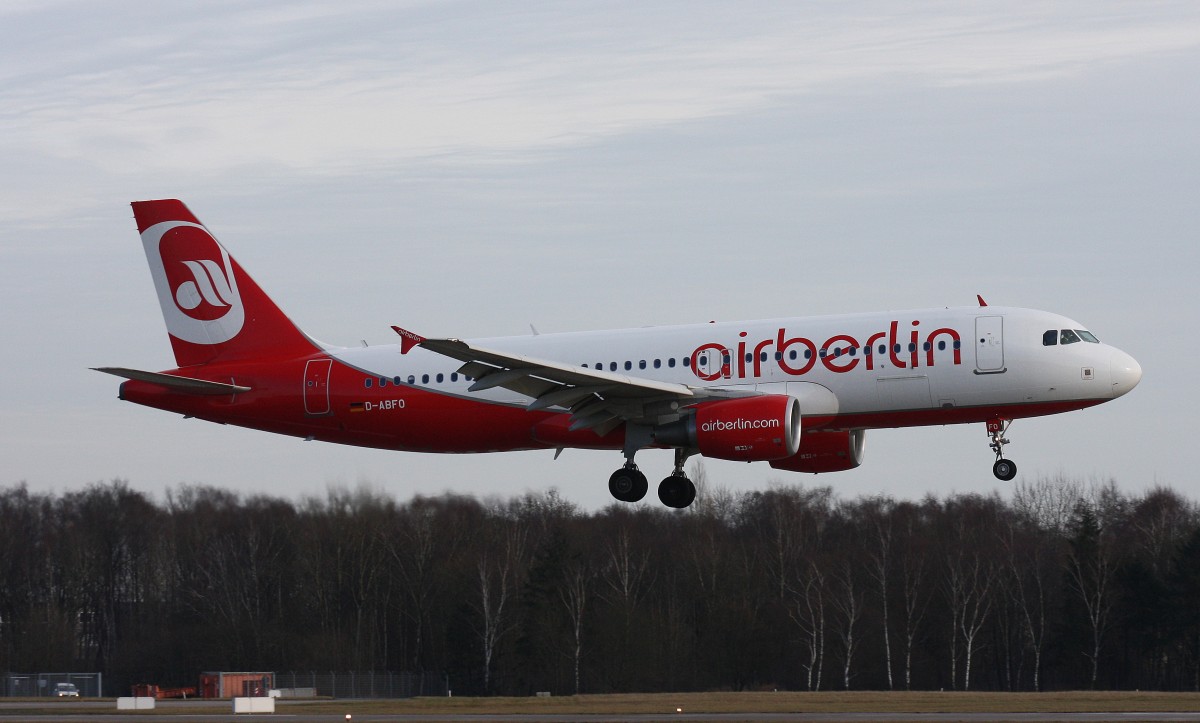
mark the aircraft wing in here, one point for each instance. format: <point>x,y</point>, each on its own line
<point>597,399</point>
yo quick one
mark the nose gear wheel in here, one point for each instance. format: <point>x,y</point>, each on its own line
<point>1004,469</point>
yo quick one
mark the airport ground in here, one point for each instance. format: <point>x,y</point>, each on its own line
<point>767,706</point>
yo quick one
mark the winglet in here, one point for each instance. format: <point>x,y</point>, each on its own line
<point>407,339</point>
<point>981,301</point>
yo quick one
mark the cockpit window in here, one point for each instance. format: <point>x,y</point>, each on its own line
<point>1053,337</point>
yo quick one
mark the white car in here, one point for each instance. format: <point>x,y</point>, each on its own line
<point>66,690</point>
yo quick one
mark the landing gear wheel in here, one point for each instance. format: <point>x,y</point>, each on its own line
<point>677,491</point>
<point>628,484</point>
<point>1004,469</point>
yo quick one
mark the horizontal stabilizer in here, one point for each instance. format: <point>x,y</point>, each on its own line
<point>179,384</point>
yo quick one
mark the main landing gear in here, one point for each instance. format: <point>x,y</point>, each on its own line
<point>628,484</point>
<point>1004,469</point>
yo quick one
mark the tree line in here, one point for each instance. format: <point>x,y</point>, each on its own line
<point>1064,585</point>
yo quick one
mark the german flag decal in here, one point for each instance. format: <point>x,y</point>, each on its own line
<point>358,406</point>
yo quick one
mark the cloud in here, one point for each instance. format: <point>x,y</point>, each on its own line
<point>302,86</point>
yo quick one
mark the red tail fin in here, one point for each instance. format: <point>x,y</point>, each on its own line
<point>213,309</point>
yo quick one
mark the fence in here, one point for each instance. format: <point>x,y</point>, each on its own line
<point>371,684</point>
<point>38,685</point>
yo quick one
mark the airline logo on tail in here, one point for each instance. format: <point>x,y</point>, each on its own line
<point>195,282</point>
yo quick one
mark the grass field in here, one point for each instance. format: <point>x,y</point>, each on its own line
<point>832,702</point>
<point>749,703</point>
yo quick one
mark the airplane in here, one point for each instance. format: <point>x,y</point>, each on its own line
<point>798,393</point>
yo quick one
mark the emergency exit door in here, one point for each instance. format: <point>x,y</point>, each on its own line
<point>989,344</point>
<point>316,386</point>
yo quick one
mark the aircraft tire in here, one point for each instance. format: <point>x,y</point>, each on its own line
<point>676,491</point>
<point>1004,469</point>
<point>628,484</point>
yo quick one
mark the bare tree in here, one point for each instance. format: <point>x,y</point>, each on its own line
<point>574,595</point>
<point>971,572</point>
<point>712,500</point>
<point>793,522</point>
<point>1090,569</point>
<point>1033,559</point>
<point>847,600</point>
<point>427,535</point>
<point>626,575</point>
<point>879,557</point>
<point>912,553</point>
<point>1048,502</point>
<point>501,559</point>
<point>1161,520</point>
<point>626,570</point>
<point>807,610</point>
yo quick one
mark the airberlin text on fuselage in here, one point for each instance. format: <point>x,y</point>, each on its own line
<point>721,425</point>
<point>834,353</point>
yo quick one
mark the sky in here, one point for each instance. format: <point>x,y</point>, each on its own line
<point>471,168</point>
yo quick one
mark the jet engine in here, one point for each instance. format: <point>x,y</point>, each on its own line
<point>832,451</point>
<point>750,429</point>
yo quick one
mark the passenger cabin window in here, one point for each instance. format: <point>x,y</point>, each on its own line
<point>1068,337</point>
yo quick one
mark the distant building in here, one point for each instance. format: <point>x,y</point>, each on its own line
<point>236,685</point>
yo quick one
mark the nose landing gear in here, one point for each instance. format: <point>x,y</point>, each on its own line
<point>1004,469</point>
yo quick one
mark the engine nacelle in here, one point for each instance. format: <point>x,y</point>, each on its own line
<point>750,429</point>
<point>832,451</point>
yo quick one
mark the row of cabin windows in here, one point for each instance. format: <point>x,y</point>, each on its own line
<point>763,356</point>
<point>412,379</point>
<point>685,362</point>
<point>1053,337</point>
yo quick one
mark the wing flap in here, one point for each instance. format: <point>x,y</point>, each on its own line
<point>597,399</point>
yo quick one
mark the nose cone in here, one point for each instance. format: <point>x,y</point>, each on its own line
<point>1124,371</point>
